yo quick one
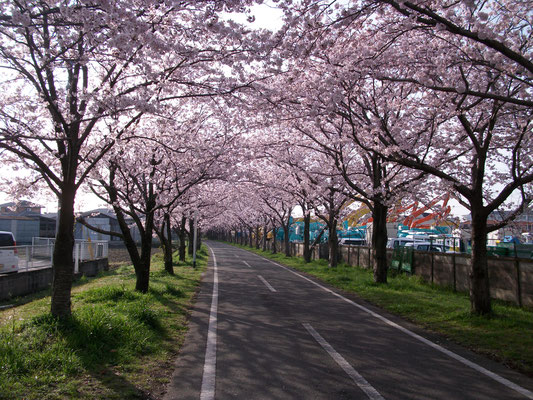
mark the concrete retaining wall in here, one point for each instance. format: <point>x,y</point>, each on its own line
<point>511,279</point>
<point>26,282</point>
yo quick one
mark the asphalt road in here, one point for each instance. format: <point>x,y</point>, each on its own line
<point>262,331</point>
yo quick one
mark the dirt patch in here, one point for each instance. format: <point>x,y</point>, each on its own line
<point>119,256</point>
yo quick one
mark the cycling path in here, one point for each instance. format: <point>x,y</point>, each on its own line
<point>263,331</point>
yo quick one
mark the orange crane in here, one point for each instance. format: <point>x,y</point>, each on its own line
<point>412,222</point>
<point>357,217</point>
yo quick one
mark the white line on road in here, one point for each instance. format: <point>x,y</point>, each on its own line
<point>506,382</point>
<point>363,384</point>
<point>245,263</point>
<point>268,285</point>
<point>209,376</point>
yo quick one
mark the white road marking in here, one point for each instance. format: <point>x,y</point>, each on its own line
<point>268,285</point>
<point>506,382</point>
<point>363,384</point>
<point>248,265</point>
<point>209,376</point>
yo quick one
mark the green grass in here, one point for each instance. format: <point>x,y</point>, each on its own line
<point>118,344</point>
<point>506,336</point>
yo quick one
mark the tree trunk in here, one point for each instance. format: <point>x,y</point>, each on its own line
<point>142,273</point>
<point>63,264</point>
<point>169,267</point>
<point>166,244</point>
<point>379,242</point>
<point>130,244</point>
<point>128,240</point>
<point>141,263</point>
<point>162,240</point>
<point>191,236</point>
<point>307,230</point>
<point>480,302</point>
<point>257,237</point>
<point>250,238</point>
<point>182,237</point>
<point>198,238</point>
<point>333,244</point>
<point>143,270</point>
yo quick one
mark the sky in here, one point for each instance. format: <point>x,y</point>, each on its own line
<point>266,17</point>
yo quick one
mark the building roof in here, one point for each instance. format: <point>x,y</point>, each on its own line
<point>99,213</point>
<point>20,208</point>
<point>21,203</point>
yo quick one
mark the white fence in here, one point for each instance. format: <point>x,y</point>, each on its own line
<point>39,253</point>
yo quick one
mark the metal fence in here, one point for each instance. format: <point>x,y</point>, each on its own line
<point>39,254</point>
<point>509,249</point>
<point>495,247</point>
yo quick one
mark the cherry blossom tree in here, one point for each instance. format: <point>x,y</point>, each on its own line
<point>338,132</point>
<point>462,71</point>
<point>265,171</point>
<point>149,174</point>
<point>318,104</point>
<point>78,75</point>
<point>479,134</point>
<point>65,77</point>
<point>163,229</point>
<point>298,163</point>
<point>373,93</point>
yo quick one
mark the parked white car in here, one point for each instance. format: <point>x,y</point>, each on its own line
<point>353,241</point>
<point>392,243</point>
<point>425,246</point>
<point>9,261</point>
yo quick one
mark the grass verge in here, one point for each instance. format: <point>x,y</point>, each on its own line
<point>118,344</point>
<point>506,336</point>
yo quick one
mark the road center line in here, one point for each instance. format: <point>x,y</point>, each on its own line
<point>363,384</point>
<point>209,376</point>
<point>268,285</point>
<point>506,382</point>
<point>245,263</point>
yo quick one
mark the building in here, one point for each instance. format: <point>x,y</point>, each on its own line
<point>22,207</point>
<point>102,219</point>
<point>520,228</point>
<point>25,221</point>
